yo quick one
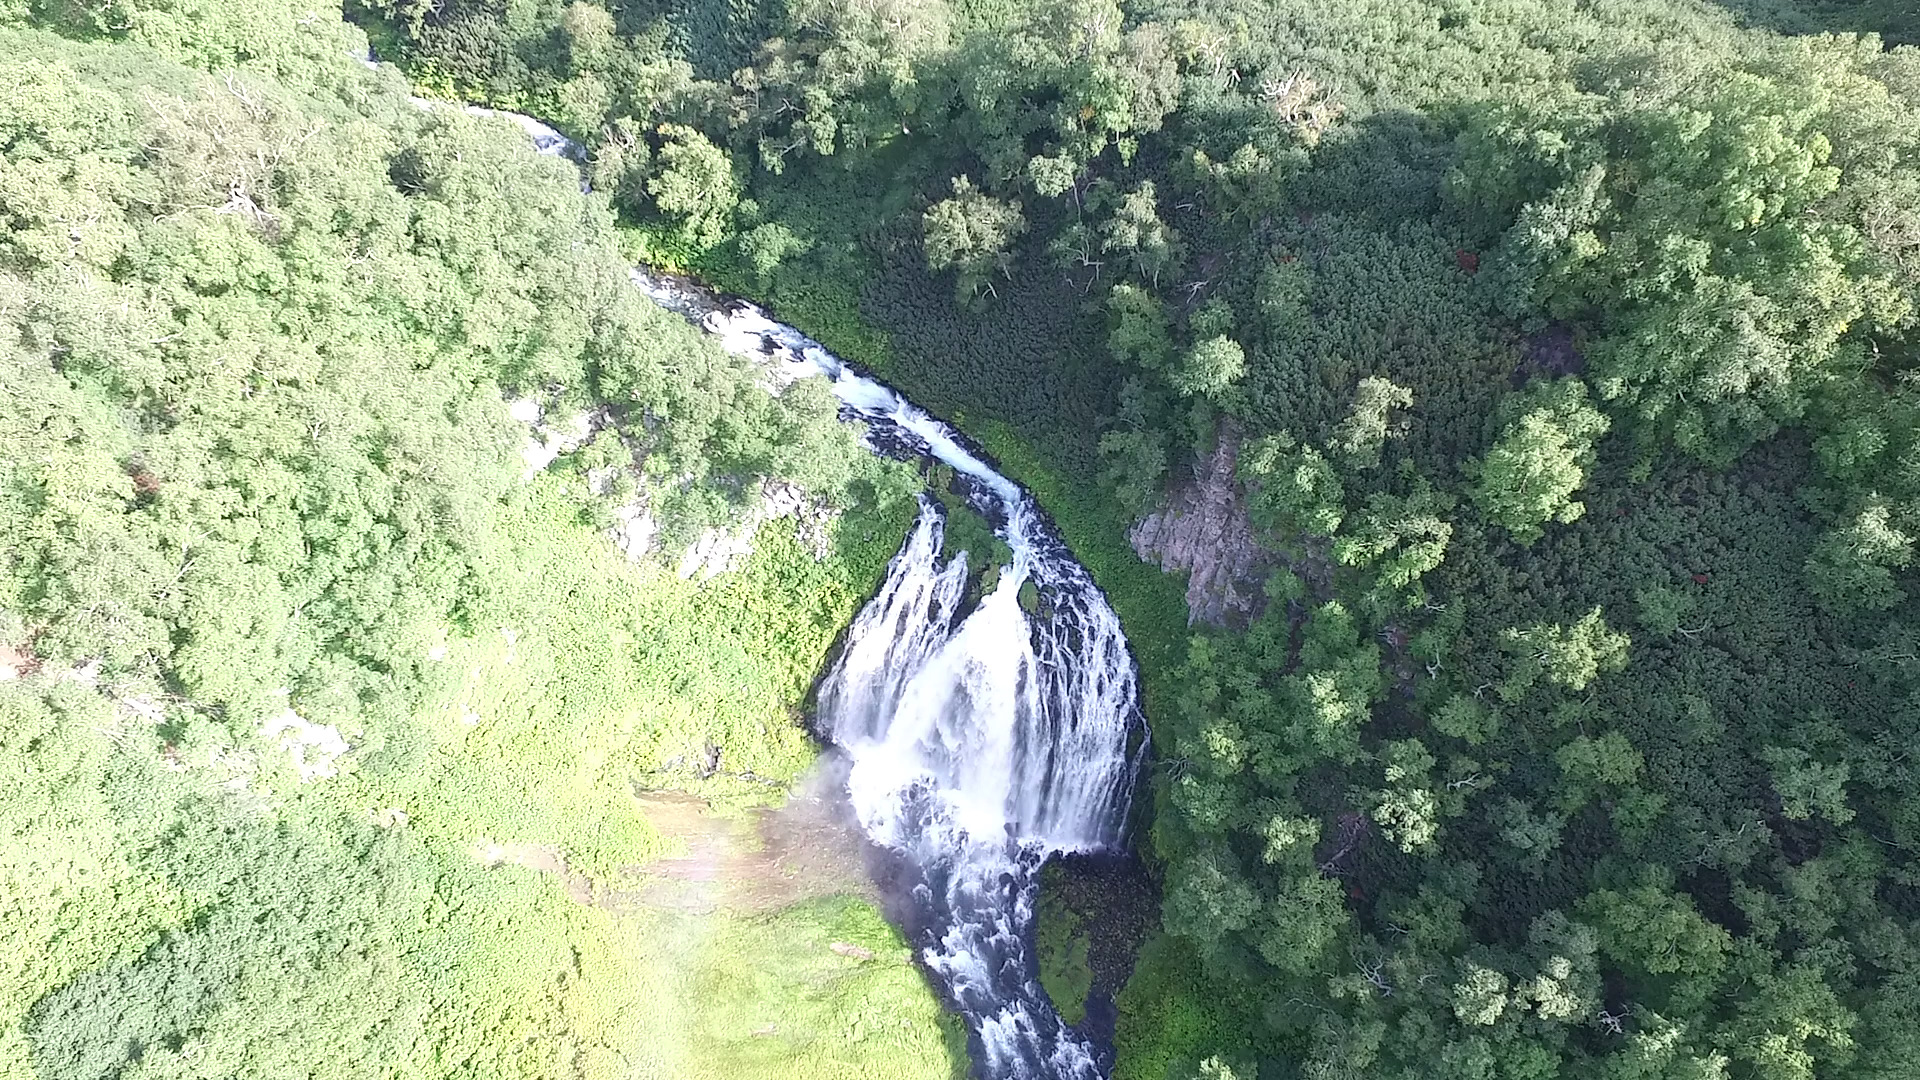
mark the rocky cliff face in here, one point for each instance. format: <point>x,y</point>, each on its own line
<point>1203,529</point>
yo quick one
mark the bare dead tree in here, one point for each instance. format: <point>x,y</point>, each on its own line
<point>1375,976</point>
<point>1300,102</point>
<point>1353,828</point>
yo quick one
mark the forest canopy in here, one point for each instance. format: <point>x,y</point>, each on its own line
<point>1561,358</point>
<point>1567,355</point>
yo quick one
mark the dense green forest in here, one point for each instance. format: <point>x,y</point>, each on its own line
<point>321,717</point>
<point>1565,350</point>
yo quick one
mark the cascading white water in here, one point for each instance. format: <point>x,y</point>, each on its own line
<point>980,743</point>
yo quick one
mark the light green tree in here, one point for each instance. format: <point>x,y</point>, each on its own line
<point>1808,787</point>
<point>1370,422</point>
<point>589,31</point>
<point>1138,333</point>
<point>1292,486</point>
<point>1398,540</point>
<point>765,246</point>
<point>1534,836</point>
<point>1300,923</point>
<point>694,185</point>
<point>1853,565</point>
<point>1467,718</point>
<point>1209,369</point>
<point>1589,765</point>
<point>1540,459</point>
<point>1480,997</point>
<point>1649,929</point>
<point>1405,807</point>
<point>1133,465</point>
<point>971,234</point>
<point>1134,231</point>
<point>1570,657</point>
<point>1208,898</point>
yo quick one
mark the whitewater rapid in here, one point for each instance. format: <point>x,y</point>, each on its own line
<point>981,741</point>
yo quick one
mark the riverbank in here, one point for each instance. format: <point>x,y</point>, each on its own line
<point>756,944</point>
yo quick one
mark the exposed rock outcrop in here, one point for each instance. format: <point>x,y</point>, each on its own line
<point>633,529</point>
<point>16,661</point>
<point>315,749</point>
<point>1203,529</point>
<point>549,438</point>
<point>636,528</point>
<point>721,549</point>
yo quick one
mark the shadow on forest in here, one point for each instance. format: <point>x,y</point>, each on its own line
<point>1387,167</point>
<point>1896,21</point>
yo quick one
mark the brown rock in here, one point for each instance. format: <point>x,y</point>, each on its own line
<point>1204,530</point>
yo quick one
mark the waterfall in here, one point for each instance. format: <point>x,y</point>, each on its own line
<point>982,744</point>
<point>983,741</point>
